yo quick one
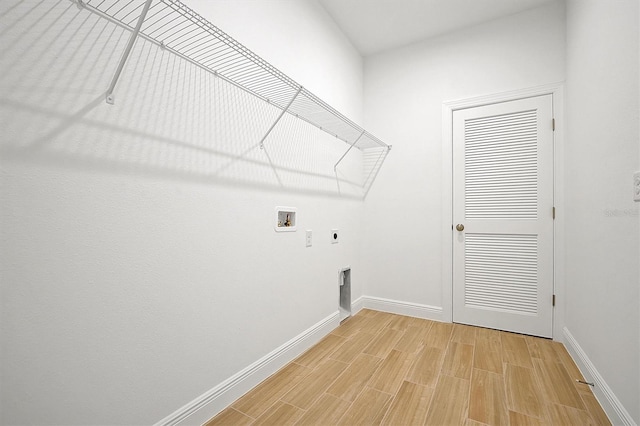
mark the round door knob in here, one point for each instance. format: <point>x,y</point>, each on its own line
<point>460,227</point>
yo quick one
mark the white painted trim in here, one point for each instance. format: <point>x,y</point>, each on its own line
<point>402,308</point>
<point>357,305</point>
<point>557,92</point>
<point>558,197</point>
<point>612,406</point>
<point>217,399</point>
<point>512,95</point>
<point>447,211</point>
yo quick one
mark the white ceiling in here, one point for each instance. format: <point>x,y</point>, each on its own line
<point>377,25</point>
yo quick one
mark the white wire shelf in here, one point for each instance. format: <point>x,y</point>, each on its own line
<point>175,27</point>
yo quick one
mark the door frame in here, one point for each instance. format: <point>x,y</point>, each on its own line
<point>448,108</point>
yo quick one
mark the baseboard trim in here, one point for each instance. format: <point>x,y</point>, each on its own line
<point>612,406</point>
<point>403,308</point>
<point>221,396</point>
<point>218,398</point>
<point>357,305</point>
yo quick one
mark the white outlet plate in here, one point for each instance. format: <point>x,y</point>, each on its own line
<point>636,186</point>
<point>309,237</point>
<point>335,236</point>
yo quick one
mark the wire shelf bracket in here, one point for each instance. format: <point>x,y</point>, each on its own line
<point>127,51</point>
<point>335,166</point>
<point>279,117</point>
<point>174,27</point>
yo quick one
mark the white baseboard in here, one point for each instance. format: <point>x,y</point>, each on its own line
<point>357,305</point>
<point>612,406</point>
<point>402,308</point>
<point>217,399</point>
<point>221,396</point>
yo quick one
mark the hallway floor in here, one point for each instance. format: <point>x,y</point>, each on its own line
<point>380,368</point>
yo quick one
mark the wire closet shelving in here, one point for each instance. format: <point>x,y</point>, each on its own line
<point>175,27</point>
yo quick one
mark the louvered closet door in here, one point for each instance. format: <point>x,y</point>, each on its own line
<point>503,196</point>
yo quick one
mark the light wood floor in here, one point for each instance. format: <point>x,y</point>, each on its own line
<point>380,368</point>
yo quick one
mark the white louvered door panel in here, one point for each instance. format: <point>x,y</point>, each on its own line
<point>503,195</point>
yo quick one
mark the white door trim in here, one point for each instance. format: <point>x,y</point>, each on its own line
<point>557,92</point>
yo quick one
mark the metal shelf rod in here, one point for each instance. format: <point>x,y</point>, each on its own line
<point>335,167</point>
<point>279,117</point>
<point>127,51</point>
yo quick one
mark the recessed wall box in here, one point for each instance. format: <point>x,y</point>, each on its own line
<point>286,219</point>
<point>344,281</point>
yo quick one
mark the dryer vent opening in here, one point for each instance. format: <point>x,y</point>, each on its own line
<point>345,293</point>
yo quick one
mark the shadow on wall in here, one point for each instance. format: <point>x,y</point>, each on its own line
<point>170,117</point>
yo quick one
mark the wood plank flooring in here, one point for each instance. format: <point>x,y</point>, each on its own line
<point>384,369</point>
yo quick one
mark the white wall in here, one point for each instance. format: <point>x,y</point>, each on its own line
<point>134,279</point>
<point>404,93</point>
<point>138,270</point>
<point>603,144</point>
